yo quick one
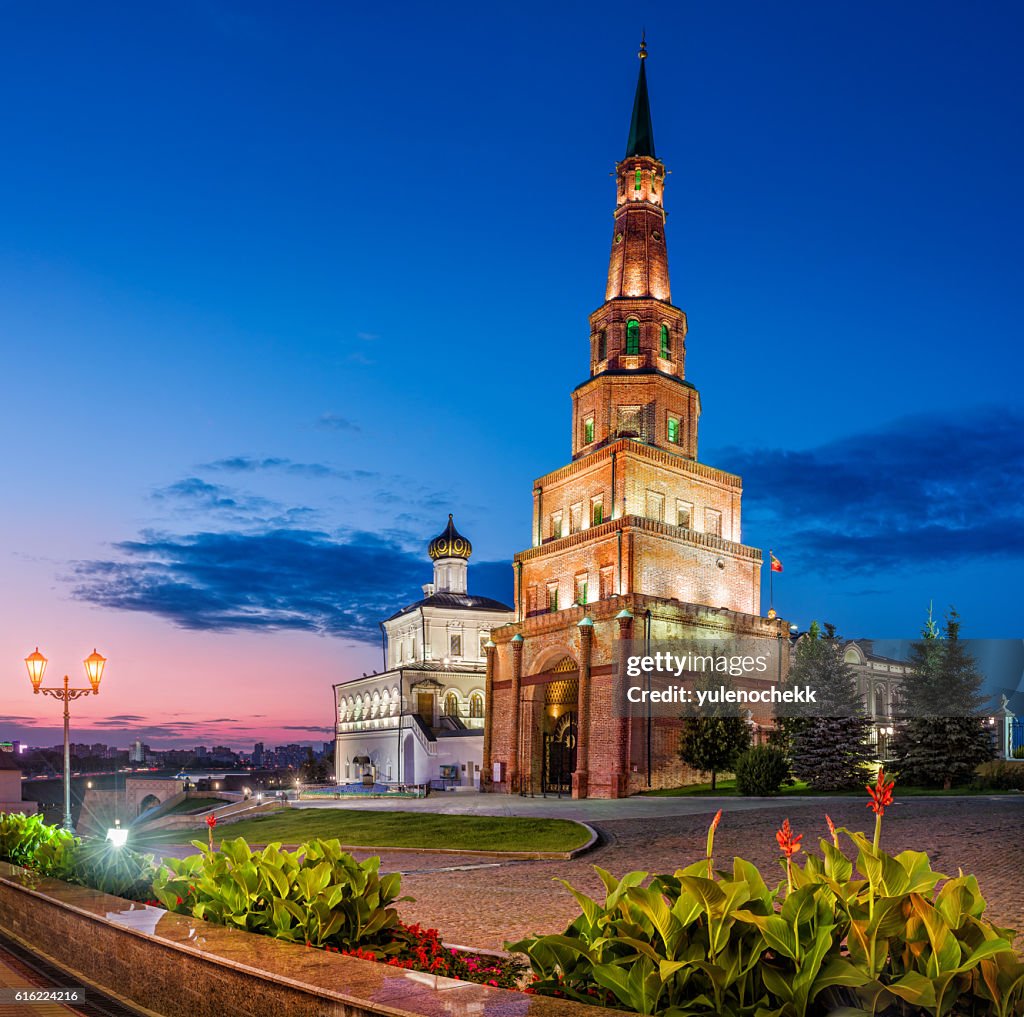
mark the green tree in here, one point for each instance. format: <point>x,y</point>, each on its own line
<point>827,743</point>
<point>313,770</point>
<point>714,735</point>
<point>940,733</point>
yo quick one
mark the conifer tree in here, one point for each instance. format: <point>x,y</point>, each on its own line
<point>713,736</point>
<point>940,734</point>
<point>827,744</point>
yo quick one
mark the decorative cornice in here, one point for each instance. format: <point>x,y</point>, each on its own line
<point>692,537</point>
<point>633,447</point>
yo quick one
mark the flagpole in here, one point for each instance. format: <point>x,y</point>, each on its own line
<point>771,580</point>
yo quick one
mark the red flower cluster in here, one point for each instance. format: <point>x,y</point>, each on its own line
<point>716,820</point>
<point>881,793</point>
<point>211,821</point>
<point>788,843</point>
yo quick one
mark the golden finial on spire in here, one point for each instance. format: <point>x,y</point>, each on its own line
<point>643,45</point>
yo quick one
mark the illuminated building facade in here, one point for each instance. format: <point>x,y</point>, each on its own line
<point>421,719</point>
<point>633,539</point>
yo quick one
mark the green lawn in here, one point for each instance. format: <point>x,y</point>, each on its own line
<point>194,805</point>
<point>727,788</point>
<point>357,827</point>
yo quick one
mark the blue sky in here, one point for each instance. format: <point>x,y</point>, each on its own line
<point>281,285</point>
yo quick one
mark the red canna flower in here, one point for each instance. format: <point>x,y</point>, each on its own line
<point>788,843</point>
<point>716,820</point>
<point>211,821</point>
<point>881,794</point>
<point>832,829</point>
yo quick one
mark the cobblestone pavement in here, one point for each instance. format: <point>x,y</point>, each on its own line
<point>479,903</point>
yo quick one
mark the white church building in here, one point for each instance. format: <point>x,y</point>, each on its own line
<point>421,721</point>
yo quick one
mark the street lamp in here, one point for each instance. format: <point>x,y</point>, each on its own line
<point>94,664</point>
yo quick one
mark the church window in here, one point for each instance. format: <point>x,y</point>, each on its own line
<point>666,350</point>
<point>684,514</point>
<point>602,344</point>
<point>632,337</point>
<point>575,518</point>
<point>606,579</point>
<point>673,430</point>
<point>476,705</point>
<point>552,596</point>
<point>656,506</point>
<point>556,525</point>
<point>639,179</point>
<point>713,522</point>
<point>451,705</point>
<point>581,589</point>
<point>588,430</point>
<point>484,640</point>
<point>455,645</point>
<point>596,511</point>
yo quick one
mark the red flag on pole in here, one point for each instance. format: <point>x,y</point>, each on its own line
<point>776,564</point>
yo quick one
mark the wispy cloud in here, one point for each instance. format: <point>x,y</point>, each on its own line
<point>922,489</point>
<point>194,496</point>
<point>336,422</point>
<point>255,464</point>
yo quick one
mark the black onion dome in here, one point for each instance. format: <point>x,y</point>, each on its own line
<point>450,543</point>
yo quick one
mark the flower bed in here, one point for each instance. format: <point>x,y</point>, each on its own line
<point>318,894</point>
<point>886,940</point>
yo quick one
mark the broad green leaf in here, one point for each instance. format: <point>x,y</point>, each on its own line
<point>914,988</point>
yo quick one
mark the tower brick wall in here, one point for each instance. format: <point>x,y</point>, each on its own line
<point>634,538</point>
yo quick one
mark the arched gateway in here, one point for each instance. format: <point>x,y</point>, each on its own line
<point>549,735</point>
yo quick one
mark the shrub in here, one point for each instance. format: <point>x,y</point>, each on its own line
<point>1001,775</point>
<point>21,836</point>
<point>761,771</point>
<point>705,941</point>
<point>53,851</point>
<point>318,894</point>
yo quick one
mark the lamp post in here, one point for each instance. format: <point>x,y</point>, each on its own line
<point>36,664</point>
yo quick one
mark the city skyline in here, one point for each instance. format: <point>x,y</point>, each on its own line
<point>268,321</point>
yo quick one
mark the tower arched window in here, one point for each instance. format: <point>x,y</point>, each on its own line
<point>476,705</point>
<point>451,705</point>
<point>602,344</point>
<point>632,337</point>
<point>666,348</point>
<point>638,179</point>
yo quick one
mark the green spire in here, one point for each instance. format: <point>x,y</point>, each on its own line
<point>641,133</point>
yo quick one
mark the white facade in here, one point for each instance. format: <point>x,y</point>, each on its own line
<point>422,719</point>
<point>879,680</point>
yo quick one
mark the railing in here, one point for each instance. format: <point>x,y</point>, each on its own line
<point>423,734</point>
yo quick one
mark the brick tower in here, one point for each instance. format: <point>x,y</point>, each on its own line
<point>634,538</point>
